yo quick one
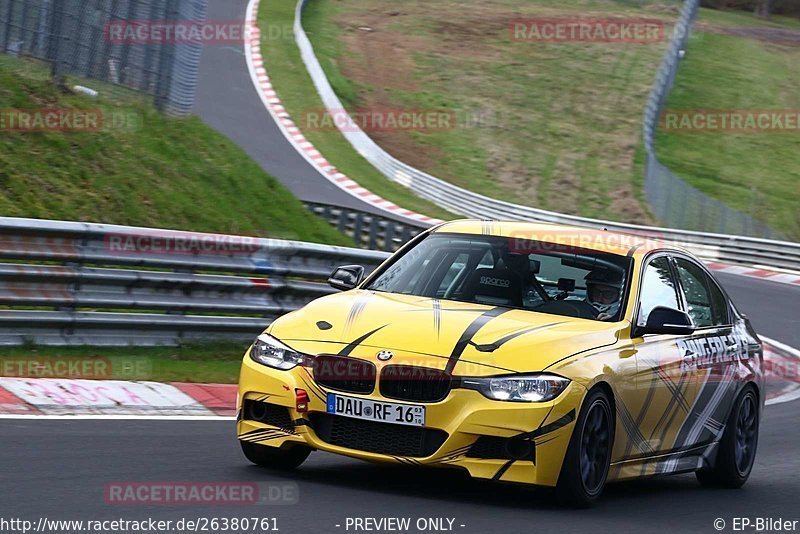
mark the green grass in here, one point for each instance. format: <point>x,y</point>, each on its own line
<point>296,90</point>
<point>757,173</point>
<point>738,19</point>
<point>551,125</point>
<point>207,363</point>
<point>156,171</point>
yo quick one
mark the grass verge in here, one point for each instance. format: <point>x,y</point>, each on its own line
<point>216,363</point>
<point>551,125</point>
<point>758,172</point>
<point>143,169</point>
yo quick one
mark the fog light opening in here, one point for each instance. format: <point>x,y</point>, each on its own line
<point>256,411</point>
<point>519,448</point>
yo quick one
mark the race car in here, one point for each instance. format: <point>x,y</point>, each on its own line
<point>520,352</point>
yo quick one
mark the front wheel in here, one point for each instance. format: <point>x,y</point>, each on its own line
<point>737,448</point>
<point>273,457</point>
<point>585,469</point>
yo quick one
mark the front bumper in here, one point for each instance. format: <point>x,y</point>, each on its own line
<point>508,441</point>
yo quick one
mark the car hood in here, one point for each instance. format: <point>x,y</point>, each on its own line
<point>361,323</point>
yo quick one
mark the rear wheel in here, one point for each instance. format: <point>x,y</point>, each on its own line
<point>585,469</point>
<point>273,457</point>
<point>737,448</point>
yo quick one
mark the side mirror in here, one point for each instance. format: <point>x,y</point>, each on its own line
<point>663,320</point>
<point>346,277</point>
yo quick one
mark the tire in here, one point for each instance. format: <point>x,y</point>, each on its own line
<point>275,458</point>
<point>585,468</point>
<point>737,448</point>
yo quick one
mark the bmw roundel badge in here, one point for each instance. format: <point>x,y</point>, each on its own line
<point>385,355</point>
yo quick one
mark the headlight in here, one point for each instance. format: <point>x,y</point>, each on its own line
<point>270,352</point>
<point>536,388</point>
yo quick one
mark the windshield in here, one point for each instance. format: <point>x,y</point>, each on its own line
<point>498,271</point>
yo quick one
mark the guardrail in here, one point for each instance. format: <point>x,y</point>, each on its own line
<point>368,230</point>
<point>66,283</point>
<point>709,246</point>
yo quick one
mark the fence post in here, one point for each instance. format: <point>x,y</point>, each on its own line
<point>54,42</point>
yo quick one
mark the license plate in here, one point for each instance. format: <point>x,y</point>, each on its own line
<point>384,412</point>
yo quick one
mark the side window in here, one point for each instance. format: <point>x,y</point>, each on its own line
<point>658,289</point>
<point>706,303</point>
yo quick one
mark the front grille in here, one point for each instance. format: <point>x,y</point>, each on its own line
<point>345,374</point>
<point>496,448</point>
<point>270,414</point>
<point>380,438</point>
<point>420,384</point>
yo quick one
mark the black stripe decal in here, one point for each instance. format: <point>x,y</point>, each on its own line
<point>468,334</point>
<point>456,453</point>
<point>562,421</point>
<point>628,423</point>
<point>313,389</point>
<point>437,316</point>
<point>640,418</point>
<point>358,306</point>
<point>678,394</point>
<point>502,470</point>
<point>352,345</point>
<point>490,347</point>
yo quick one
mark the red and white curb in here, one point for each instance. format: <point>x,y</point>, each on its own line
<point>115,399</point>
<point>782,371</point>
<point>255,63</point>
<point>761,273</point>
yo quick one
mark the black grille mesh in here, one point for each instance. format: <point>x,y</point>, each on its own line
<point>345,374</point>
<point>420,384</point>
<point>380,438</point>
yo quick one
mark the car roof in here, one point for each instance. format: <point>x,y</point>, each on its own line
<point>599,240</point>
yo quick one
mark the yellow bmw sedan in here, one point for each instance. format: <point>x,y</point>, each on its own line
<point>519,352</point>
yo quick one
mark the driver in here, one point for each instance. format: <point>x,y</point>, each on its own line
<point>603,289</point>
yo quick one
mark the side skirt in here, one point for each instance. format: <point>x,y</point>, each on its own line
<point>684,461</point>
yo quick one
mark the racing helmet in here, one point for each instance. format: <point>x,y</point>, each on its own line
<point>611,279</point>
